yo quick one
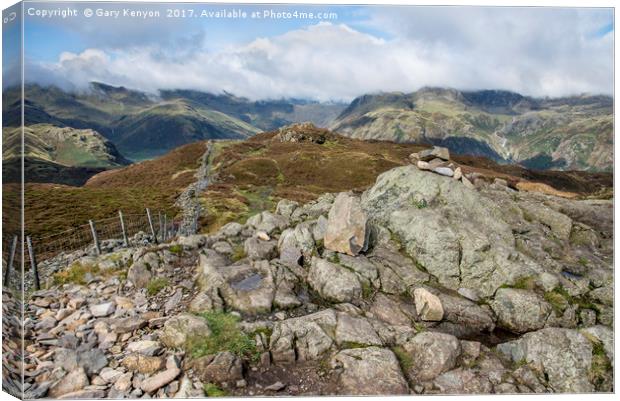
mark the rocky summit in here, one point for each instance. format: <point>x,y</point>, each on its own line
<point>431,281</point>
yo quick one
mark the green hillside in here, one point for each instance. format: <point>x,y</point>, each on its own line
<point>168,125</point>
<point>147,125</point>
<point>569,133</point>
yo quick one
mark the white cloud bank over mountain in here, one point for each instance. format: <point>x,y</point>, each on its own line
<point>545,53</point>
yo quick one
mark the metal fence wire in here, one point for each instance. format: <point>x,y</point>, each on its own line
<point>155,225</point>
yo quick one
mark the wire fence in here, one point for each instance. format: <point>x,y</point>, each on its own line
<point>157,226</point>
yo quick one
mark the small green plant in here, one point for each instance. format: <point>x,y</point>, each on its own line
<point>520,363</point>
<point>600,369</point>
<point>176,249</point>
<point>266,331</point>
<point>156,285</point>
<point>557,301</point>
<point>320,246</point>
<point>522,283</point>
<point>238,253</point>
<point>580,302</point>
<point>419,327</point>
<point>225,336</point>
<point>419,266</point>
<point>406,361</point>
<point>563,292</point>
<point>420,203</point>
<point>583,261</point>
<point>335,258</point>
<point>75,274</point>
<point>212,390</point>
<point>367,290</point>
<point>353,345</point>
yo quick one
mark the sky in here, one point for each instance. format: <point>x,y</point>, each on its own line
<point>353,50</point>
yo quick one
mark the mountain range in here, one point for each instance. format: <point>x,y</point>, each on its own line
<point>142,125</point>
<point>571,133</point>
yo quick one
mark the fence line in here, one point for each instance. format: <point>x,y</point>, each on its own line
<point>122,227</point>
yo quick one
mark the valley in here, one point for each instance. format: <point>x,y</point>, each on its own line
<point>571,133</point>
<point>143,126</point>
<point>574,133</point>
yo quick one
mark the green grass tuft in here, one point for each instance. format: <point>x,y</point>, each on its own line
<point>75,274</point>
<point>522,283</point>
<point>176,249</point>
<point>238,253</point>
<point>406,361</point>
<point>225,336</point>
<point>600,369</point>
<point>557,301</point>
<point>353,345</point>
<point>156,285</point>
<point>420,204</point>
<point>212,390</point>
<point>367,290</point>
<point>266,331</point>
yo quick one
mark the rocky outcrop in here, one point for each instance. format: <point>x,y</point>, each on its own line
<point>562,356</point>
<point>520,310</point>
<point>334,282</point>
<point>182,328</point>
<point>369,371</point>
<point>431,354</point>
<point>428,306</point>
<point>454,232</point>
<point>422,284</point>
<point>303,338</point>
<point>346,226</point>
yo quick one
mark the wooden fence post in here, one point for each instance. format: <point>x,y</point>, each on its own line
<point>33,264</point>
<point>9,265</point>
<point>93,230</point>
<point>125,239</point>
<point>161,227</point>
<point>165,234</point>
<point>148,215</point>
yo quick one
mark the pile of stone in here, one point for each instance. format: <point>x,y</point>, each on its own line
<point>437,160</point>
<point>302,132</point>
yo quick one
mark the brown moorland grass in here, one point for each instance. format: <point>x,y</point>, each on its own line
<point>52,208</point>
<point>253,175</point>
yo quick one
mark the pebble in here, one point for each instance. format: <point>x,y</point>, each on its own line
<point>76,303</point>
<point>423,165</point>
<point>145,347</point>
<point>262,236</point>
<point>123,383</point>
<point>444,171</point>
<point>159,380</point>
<point>277,386</point>
<point>102,310</point>
<point>458,173</point>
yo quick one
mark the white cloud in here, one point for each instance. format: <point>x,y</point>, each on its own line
<point>537,53</point>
